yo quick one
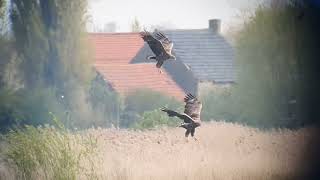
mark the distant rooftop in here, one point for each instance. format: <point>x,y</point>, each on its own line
<point>113,54</point>
<point>209,56</point>
<point>202,55</point>
<point>204,51</point>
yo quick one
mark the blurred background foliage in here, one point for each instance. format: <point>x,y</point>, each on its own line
<point>155,119</point>
<point>276,58</point>
<point>142,106</point>
<point>45,62</point>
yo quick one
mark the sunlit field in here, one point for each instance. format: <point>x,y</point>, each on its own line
<point>222,151</point>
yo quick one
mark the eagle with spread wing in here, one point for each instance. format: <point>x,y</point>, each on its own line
<point>160,45</point>
<point>191,115</point>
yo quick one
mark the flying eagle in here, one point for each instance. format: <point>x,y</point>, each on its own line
<point>191,115</point>
<point>160,45</point>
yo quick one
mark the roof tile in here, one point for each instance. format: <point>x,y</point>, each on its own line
<point>113,54</point>
<point>120,47</point>
<point>126,78</point>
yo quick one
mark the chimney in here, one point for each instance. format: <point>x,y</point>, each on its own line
<point>215,25</point>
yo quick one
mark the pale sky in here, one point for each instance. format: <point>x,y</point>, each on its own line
<point>178,14</point>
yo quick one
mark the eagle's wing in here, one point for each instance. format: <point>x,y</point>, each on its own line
<point>154,44</point>
<point>186,118</point>
<point>157,42</point>
<point>193,107</point>
<point>166,43</point>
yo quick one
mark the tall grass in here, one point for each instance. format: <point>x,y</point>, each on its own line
<point>222,151</point>
<point>49,153</point>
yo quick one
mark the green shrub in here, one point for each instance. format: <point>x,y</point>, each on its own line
<point>30,107</point>
<point>144,100</point>
<point>9,114</point>
<point>106,103</point>
<point>154,119</point>
<point>233,105</point>
<point>48,153</point>
<point>218,106</point>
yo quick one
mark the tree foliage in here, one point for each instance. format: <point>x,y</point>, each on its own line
<point>144,100</point>
<point>106,102</point>
<point>276,56</point>
<point>135,25</point>
<point>48,38</point>
<point>2,9</point>
<point>155,119</point>
<point>48,50</point>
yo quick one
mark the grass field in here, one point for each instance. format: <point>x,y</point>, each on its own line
<point>222,151</point>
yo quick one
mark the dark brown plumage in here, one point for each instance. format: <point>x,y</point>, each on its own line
<point>160,45</point>
<point>191,115</point>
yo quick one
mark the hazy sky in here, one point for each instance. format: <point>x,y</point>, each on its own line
<point>191,14</point>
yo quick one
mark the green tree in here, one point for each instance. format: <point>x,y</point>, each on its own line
<point>4,45</point>
<point>276,59</point>
<point>49,46</point>
<point>6,53</point>
<point>106,102</point>
<point>50,41</point>
<point>135,25</point>
<point>276,56</point>
<point>2,10</point>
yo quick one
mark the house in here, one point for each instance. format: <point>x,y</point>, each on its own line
<point>113,55</point>
<point>204,59</point>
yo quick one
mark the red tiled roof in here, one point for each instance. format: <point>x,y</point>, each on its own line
<point>113,53</point>
<point>116,47</point>
<point>128,77</point>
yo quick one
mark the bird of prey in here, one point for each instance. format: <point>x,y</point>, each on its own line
<point>160,45</point>
<point>191,116</point>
